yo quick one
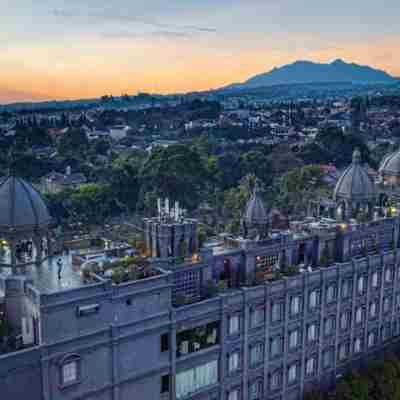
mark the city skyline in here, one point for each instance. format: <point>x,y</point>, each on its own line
<point>68,50</point>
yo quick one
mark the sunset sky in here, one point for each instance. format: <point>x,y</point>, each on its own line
<point>56,49</point>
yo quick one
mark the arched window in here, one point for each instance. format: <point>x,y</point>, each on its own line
<point>70,370</point>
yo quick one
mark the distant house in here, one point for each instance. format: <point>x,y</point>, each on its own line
<point>55,182</point>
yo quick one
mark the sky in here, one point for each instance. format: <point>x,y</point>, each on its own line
<point>67,49</point>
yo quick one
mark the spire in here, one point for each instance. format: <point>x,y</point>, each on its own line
<point>356,156</point>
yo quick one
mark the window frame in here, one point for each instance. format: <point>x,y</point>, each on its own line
<point>65,361</point>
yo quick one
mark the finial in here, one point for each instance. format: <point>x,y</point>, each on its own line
<point>356,156</point>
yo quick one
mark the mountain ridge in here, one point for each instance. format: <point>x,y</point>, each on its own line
<point>304,71</point>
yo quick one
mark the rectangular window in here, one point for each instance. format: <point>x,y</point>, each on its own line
<point>233,394</point>
<point>329,326</point>
<point>357,345</point>
<point>313,299</point>
<point>371,339</point>
<point>372,310</point>
<point>386,304</point>
<point>360,284</point>
<point>292,373</point>
<point>388,275</point>
<point>344,318</point>
<point>164,342</point>
<point>165,383</point>
<point>331,294</point>
<point>256,354</point>
<point>257,317</point>
<point>346,289</point>
<point>255,391</point>
<point>197,378</point>
<point>312,333</point>
<point>70,372</point>
<point>293,339</point>
<point>234,324</point>
<point>295,305</point>
<point>310,366</point>
<point>327,359</point>
<point>374,280</point>
<point>233,362</point>
<point>276,346</point>
<point>276,380</point>
<point>276,312</point>
<point>359,315</point>
<point>342,351</point>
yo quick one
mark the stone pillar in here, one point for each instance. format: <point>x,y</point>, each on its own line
<point>13,255</point>
<point>49,244</point>
<point>38,246</point>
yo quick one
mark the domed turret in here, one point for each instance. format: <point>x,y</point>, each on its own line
<point>389,169</point>
<point>355,189</point>
<point>255,215</point>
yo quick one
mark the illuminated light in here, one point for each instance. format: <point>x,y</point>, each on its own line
<point>258,258</point>
<point>343,226</point>
<point>393,210</point>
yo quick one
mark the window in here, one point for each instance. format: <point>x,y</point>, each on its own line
<point>371,339</point>
<point>342,351</point>
<point>386,304</point>
<point>344,320</point>
<point>360,284</point>
<point>233,362</point>
<point>276,380</point>
<point>359,315</point>
<point>313,299</point>
<point>310,366</point>
<point>388,275</point>
<point>374,280</point>
<point>165,383</point>
<point>357,345</point>
<point>70,370</point>
<point>346,289</point>
<point>276,346</point>
<point>330,293</point>
<point>329,326</point>
<point>194,379</point>
<point>164,342</point>
<point>292,373</point>
<point>276,312</point>
<point>256,317</point>
<point>255,391</point>
<point>233,324</point>
<point>256,354</point>
<point>312,333</point>
<point>386,332</point>
<point>398,300</point>
<point>372,310</point>
<point>294,339</point>
<point>233,394</point>
<point>295,305</point>
<point>327,358</point>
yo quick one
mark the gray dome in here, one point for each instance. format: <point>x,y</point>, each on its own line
<point>390,165</point>
<point>21,206</point>
<point>255,212</point>
<point>355,184</point>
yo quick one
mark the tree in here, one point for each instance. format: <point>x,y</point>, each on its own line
<point>255,162</point>
<point>73,142</point>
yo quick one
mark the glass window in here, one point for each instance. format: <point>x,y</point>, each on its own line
<point>165,383</point>
<point>344,320</point>
<point>233,324</point>
<point>294,339</point>
<point>276,379</point>
<point>342,351</point>
<point>329,326</point>
<point>360,284</point>
<point>371,339</point>
<point>255,391</point>
<point>233,362</point>
<point>233,394</point>
<point>386,304</point>
<point>313,299</point>
<point>70,372</point>
<point>276,312</point>
<point>310,366</point>
<point>346,289</point>
<point>312,332</point>
<point>327,358</point>
<point>330,293</point>
<point>194,379</point>
<point>372,310</point>
<point>256,354</point>
<point>164,342</point>
<point>276,346</point>
<point>388,275</point>
<point>374,280</point>
<point>292,374</point>
<point>295,305</point>
<point>359,315</point>
<point>256,317</point>
<point>357,345</point>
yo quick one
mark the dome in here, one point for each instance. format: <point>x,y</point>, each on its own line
<point>255,212</point>
<point>355,184</point>
<point>21,206</point>
<point>390,165</point>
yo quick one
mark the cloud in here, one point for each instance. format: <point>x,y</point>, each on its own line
<point>161,34</point>
<point>164,29</point>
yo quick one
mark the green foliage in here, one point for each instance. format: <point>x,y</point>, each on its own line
<point>73,142</point>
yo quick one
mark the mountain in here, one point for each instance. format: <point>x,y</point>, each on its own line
<point>310,72</point>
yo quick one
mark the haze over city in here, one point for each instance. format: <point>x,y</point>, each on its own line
<point>80,49</point>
